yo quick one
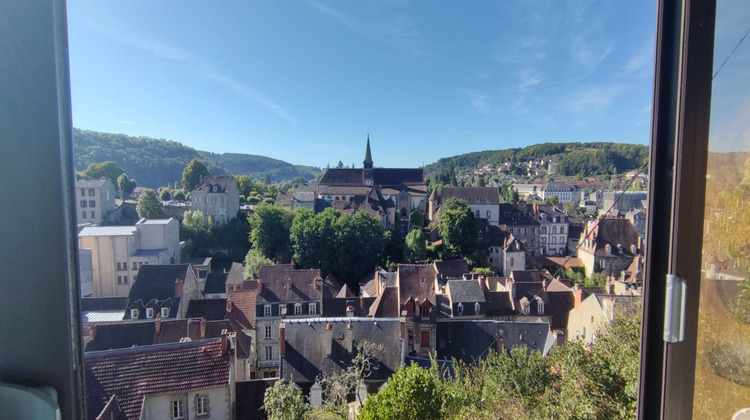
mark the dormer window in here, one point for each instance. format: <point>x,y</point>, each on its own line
<point>477,307</point>
<point>134,313</point>
<point>526,308</point>
<point>540,307</point>
<point>312,308</point>
<point>164,312</point>
<point>460,309</point>
<point>298,309</point>
<point>267,310</point>
<point>149,313</point>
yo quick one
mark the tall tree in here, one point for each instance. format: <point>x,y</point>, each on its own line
<point>253,261</point>
<point>284,401</point>
<point>108,170</point>
<point>125,184</point>
<point>457,228</point>
<point>360,241</point>
<point>149,206</point>
<point>191,176</point>
<point>416,247</point>
<point>269,232</point>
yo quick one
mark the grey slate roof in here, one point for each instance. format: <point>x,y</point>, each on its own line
<point>469,340</point>
<point>215,283</point>
<point>465,291</point>
<point>236,274</point>
<point>223,182</point>
<point>157,281</point>
<point>311,348</point>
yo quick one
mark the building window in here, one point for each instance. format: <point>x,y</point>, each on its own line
<point>460,309</point>
<point>267,310</point>
<point>164,312</point>
<point>554,229</point>
<point>540,307</point>
<point>135,265</point>
<point>269,353</point>
<point>477,308</point>
<point>425,339</point>
<point>426,310</point>
<point>543,239</point>
<point>526,308</point>
<point>91,192</point>
<point>122,279</point>
<point>201,405</point>
<point>134,313</point>
<point>477,214</point>
<point>282,309</point>
<point>554,240</point>
<point>149,313</point>
<point>222,211</point>
<point>298,309</point>
<point>93,214</point>
<point>83,213</point>
<point>489,213</point>
<point>84,203</point>
<point>584,333</point>
<point>512,261</point>
<point>311,308</point>
<point>92,203</point>
<point>562,229</point>
<point>83,192</point>
<point>268,331</point>
<point>177,409</point>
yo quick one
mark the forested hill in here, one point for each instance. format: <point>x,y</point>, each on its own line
<point>582,159</point>
<point>157,162</point>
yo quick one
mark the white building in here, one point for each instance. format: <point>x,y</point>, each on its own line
<point>117,252</point>
<point>95,199</point>
<point>483,201</point>
<point>218,197</point>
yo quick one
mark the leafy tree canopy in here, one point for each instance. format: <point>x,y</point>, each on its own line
<point>269,232</point>
<point>457,228</point>
<point>149,206</point>
<point>192,174</point>
<point>125,184</point>
<point>108,170</point>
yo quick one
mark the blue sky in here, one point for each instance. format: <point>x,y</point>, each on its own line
<point>306,81</point>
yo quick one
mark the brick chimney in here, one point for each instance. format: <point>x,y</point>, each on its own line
<point>203,328</point>
<point>282,340</point>
<point>229,305</point>
<point>157,325</point>
<point>179,285</point>
<point>224,343</point>
<point>578,293</point>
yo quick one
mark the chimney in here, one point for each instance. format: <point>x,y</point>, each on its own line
<point>203,328</point>
<point>229,305</point>
<point>157,325</point>
<point>224,344</point>
<point>178,288</point>
<point>349,311</point>
<point>500,342</point>
<point>92,332</point>
<point>578,293</point>
<point>349,338</point>
<point>282,339</point>
<point>328,325</point>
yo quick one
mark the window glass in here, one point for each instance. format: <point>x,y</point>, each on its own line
<point>722,365</point>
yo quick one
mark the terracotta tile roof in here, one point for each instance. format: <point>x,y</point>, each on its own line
<point>386,305</point>
<point>282,283</point>
<point>134,373</point>
<point>416,281</point>
<point>243,308</point>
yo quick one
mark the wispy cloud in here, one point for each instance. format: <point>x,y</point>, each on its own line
<point>478,99</point>
<point>595,98</point>
<point>529,78</point>
<point>175,53</point>
<point>125,122</point>
<point>640,64</point>
<point>588,53</point>
<point>396,30</point>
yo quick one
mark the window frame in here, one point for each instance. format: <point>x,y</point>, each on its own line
<point>202,405</point>
<point>177,409</point>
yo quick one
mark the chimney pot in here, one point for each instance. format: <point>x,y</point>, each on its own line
<point>328,326</point>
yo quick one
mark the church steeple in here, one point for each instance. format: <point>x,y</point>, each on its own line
<point>368,155</point>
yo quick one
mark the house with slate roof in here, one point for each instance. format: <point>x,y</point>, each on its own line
<point>609,244</point>
<point>519,220</point>
<point>163,290</point>
<point>464,299</point>
<point>470,340</point>
<point>596,312</point>
<point>190,379</point>
<point>418,305</point>
<point>483,201</point>
<point>218,197</point>
<point>283,291</point>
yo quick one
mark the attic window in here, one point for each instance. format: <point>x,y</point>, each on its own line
<point>149,313</point>
<point>477,307</point>
<point>164,312</point>
<point>311,308</point>
<point>540,307</point>
<point>298,309</point>
<point>267,310</point>
<point>460,309</point>
<point>423,279</point>
<point>134,313</point>
<point>526,308</point>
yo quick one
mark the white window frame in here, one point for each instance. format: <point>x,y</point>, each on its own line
<point>177,409</point>
<point>134,313</point>
<point>164,312</point>
<point>201,405</point>
<point>266,310</point>
<point>312,308</point>
<point>540,307</point>
<point>268,332</point>
<point>298,309</point>
<point>268,353</point>
<point>460,310</point>
<point>149,313</point>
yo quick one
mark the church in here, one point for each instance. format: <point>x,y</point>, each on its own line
<point>387,194</point>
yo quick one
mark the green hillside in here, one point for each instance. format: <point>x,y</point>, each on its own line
<point>157,162</point>
<point>573,159</point>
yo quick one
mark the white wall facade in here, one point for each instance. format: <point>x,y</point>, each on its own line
<point>158,407</point>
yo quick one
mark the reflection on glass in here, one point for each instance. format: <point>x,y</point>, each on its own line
<point>722,371</point>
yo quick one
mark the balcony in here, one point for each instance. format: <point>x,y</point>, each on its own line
<point>268,363</point>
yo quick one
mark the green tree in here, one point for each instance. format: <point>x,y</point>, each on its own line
<point>269,232</point>
<point>179,195</point>
<point>149,206</point>
<point>360,242</point>
<point>108,170</point>
<point>284,401</point>
<point>253,261</point>
<point>191,176</point>
<point>484,271</point>
<point>125,184</point>
<point>412,393</point>
<point>415,246</point>
<point>457,228</point>
<point>394,248</point>
<point>194,224</point>
<point>165,195</point>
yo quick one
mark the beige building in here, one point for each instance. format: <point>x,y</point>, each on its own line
<point>596,312</point>
<point>218,197</point>
<point>95,199</point>
<point>117,252</point>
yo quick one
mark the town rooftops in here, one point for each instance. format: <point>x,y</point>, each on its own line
<point>469,340</point>
<point>209,309</point>
<point>608,235</point>
<point>416,281</point>
<point>236,274</point>
<point>215,283</point>
<point>242,311</point>
<point>137,372</point>
<point>472,195</point>
<point>107,231</point>
<point>465,291</point>
<point>157,281</point>
<point>283,283</point>
<point>451,269</point>
<point>381,176</point>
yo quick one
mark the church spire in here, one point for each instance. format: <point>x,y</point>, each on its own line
<point>368,155</point>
